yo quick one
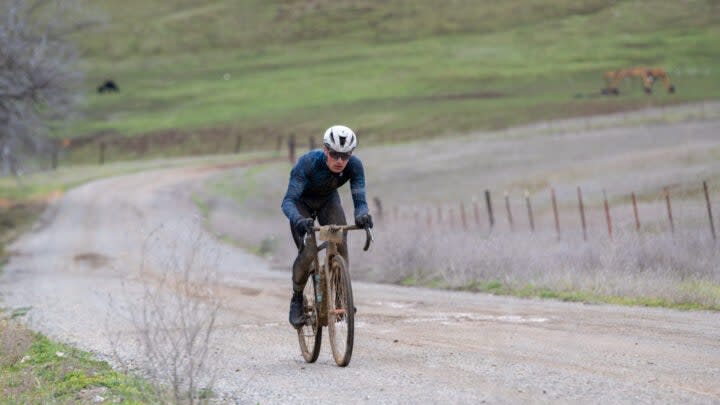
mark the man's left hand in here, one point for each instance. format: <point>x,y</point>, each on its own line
<point>364,221</point>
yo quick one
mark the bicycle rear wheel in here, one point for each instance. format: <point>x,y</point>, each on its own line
<point>310,334</point>
<point>341,312</point>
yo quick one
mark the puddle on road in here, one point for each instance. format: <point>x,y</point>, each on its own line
<point>258,326</point>
<point>93,260</point>
<point>394,305</point>
<point>455,317</point>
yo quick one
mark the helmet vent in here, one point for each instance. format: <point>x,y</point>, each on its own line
<point>342,140</point>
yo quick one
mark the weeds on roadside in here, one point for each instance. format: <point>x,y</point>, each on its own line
<point>33,369</point>
<point>174,320</point>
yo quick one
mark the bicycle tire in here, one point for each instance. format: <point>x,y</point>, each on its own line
<point>310,334</point>
<point>341,311</point>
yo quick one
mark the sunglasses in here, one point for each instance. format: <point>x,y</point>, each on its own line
<point>339,155</point>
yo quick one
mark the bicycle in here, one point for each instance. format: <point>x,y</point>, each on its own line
<point>328,298</point>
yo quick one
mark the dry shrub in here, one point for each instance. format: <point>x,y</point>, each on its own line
<point>15,340</point>
<point>646,265</point>
<point>174,320</point>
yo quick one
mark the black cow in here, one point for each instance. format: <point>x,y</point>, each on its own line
<point>108,86</point>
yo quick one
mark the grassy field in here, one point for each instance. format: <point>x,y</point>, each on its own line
<point>392,69</point>
<point>654,267</point>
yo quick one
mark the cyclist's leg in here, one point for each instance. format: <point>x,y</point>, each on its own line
<point>332,213</point>
<point>305,254</point>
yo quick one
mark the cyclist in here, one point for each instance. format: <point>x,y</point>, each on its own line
<point>312,193</point>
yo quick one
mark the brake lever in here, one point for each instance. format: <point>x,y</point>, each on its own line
<point>368,239</point>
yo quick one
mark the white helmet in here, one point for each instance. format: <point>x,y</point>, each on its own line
<point>340,139</point>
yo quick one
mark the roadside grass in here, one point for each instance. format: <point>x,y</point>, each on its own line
<point>14,221</point>
<point>497,287</point>
<point>396,70</point>
<point>34,369</point>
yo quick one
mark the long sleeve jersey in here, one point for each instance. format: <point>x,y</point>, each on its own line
<point>312,182</point>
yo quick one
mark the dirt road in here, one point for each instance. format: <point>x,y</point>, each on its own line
<point>412,345</point>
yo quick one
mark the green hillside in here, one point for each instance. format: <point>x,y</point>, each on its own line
<point>391,68</point>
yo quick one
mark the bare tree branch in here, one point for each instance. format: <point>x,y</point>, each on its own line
<point>39,77</point>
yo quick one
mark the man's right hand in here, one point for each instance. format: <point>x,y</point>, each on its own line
<point>304,225</point>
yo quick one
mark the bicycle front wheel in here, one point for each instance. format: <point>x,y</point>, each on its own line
<point>310,334</point>
<point>341,312</point>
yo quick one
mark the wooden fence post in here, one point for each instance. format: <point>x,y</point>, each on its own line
<point>607,215</point>
<point>278,146</point>
<point>531,218</point>
<point>582,213</point>
<point>555,212</point>
<point>238,141</point>
<point>462,216</point>
<point>635,212</point>
<point>709,209</point>
<point>291,149</point>
<point>102,153</point>
<point>488,202</point>
<point>509,212</point>
<point>476,210</point>
<point>312,143</point>
<point>669,210</point>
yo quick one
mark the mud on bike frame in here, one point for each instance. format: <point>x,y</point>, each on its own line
<point>328,298</point>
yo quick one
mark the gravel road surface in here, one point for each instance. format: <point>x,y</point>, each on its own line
<point>412,345</point>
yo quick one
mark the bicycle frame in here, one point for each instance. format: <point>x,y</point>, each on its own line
<point>331,235</point>
<point>330,283</point>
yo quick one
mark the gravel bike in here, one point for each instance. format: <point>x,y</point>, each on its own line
<point>328,298</point>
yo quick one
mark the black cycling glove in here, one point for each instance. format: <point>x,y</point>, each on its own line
<point>364,221</point>
<point>304,225</point>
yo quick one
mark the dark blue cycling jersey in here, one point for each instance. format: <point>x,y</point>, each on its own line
<point>312,182</point>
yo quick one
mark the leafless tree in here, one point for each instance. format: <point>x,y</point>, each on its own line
<point>39,77</point>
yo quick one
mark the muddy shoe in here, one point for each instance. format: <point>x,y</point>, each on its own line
<point>297,317</point>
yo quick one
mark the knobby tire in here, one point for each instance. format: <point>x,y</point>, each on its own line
<point>341,311</point>
<point>310,334</point>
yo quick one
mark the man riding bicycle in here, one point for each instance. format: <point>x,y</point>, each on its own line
<point>312,193</point>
